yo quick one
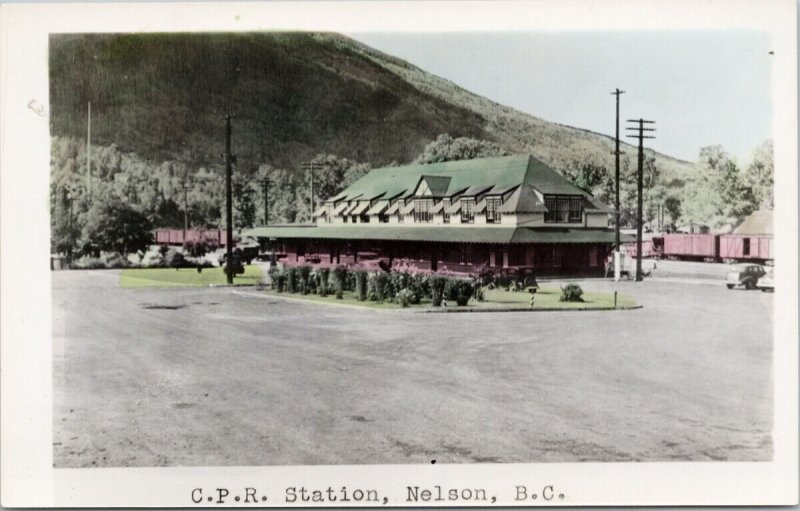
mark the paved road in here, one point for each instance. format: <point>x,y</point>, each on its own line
<point>214,377</point>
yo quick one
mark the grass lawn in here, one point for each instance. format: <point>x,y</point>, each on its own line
<point>185,277</point>
<point>546,298</point>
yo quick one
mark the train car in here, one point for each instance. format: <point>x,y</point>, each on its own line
<point>175,236</point>
<point>745,247</point>
<point>697,247</point>
<point>647,249</point>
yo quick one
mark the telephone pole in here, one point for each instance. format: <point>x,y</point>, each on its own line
<point>185,186</point>
<point>265,189</point>
<point>311,166</point>
<point>639,186</point>
<point>617,93</point>
<point>228,201</point>
<point>89,150</point>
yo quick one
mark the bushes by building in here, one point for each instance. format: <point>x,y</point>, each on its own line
<point>404,288</point>
<point>571,293</point>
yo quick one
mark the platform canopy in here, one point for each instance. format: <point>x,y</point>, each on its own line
<point>471,234</point>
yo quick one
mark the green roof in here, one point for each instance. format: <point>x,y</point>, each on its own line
<point>445,178</point>
<point>473,234</point>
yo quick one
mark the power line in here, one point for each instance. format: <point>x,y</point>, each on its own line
<point>639,186</point>
<point>617,93</point>
<point>311,166</point>
<point>228,200</point>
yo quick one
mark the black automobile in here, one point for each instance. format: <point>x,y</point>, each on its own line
<point>745,275</point>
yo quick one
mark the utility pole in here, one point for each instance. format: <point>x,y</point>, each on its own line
<point>617,93</point>
<point>311,166</point>
<point>185,185</point>
<point>265,188</point>
<point>228,201</point>
<point>89,151</point>
<point>639,187</point>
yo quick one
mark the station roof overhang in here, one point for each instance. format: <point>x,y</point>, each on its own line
<point>467,234</point>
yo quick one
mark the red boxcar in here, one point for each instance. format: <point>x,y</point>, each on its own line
<point>745,247</point>
<point>175,236</point>
<point>691,246</point>
<point>647,249</point>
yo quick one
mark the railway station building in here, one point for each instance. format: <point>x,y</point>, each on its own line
<point>504,214</point>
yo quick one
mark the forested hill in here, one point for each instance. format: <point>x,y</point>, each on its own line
<point>294,95</point>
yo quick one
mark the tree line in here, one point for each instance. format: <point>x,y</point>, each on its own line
<point>129,196</point>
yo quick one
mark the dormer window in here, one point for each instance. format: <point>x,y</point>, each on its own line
<point>492,206</point>
<point>423,210</point>
<point>467,210</point>
<point>563,208</point>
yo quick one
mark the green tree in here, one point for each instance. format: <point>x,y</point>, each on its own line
<point>113,225</point>
<point>760,176</point>
<point>447,148</point>
<point>244,206</point>
<point>719,197</point>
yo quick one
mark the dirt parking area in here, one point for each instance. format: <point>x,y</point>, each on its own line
<point>169,377</point>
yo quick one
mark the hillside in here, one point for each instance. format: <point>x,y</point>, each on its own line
<point>293,95</point>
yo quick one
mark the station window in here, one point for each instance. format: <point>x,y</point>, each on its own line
<point>423,210</point>
<point>563,208</point>
<point>445,214</point>
<point>746,247</point>
<point>492,206</point>
<point>467,211</point>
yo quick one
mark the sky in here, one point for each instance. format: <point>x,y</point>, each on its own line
<point>701,87</point>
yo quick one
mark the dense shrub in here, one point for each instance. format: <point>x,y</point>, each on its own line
<point>459,291</point>
<point>349,281</point>
<point>273,276</point>
<point>437,285</point>
<point>115,260</point>
<point>292,280</point>
<point>406,297</point>
<point>176,259</point>
<point>89,263</point>
<point>421,286</point>
<point>153,259</point>
<point>305,282</point>
<point>361,285</point>
<point>279,278</point>
<point>571,293</point>
<point>340,276</point>
<point>324,277</point>
<point>378,287</point>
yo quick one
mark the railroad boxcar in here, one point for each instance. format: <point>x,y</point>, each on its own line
<point>647,249</point>
<point>175,236</point>
<point>745,247</point>
<point>699,247</point>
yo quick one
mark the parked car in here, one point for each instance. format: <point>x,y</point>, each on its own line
<point>746,275</point>
<point>767,282</point>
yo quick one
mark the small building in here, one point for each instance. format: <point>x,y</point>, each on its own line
<point>503,214</point>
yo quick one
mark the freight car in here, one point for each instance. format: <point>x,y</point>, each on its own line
<point>757,248</point>
<point>176,237</point>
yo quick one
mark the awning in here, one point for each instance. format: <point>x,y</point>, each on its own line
<point>455,208</point>
<point>378,208</point>
<point>394,207</point>
<point>321,211</point>
<point>340,208</point>
<point>360,208</point>
<point>408,209</point>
